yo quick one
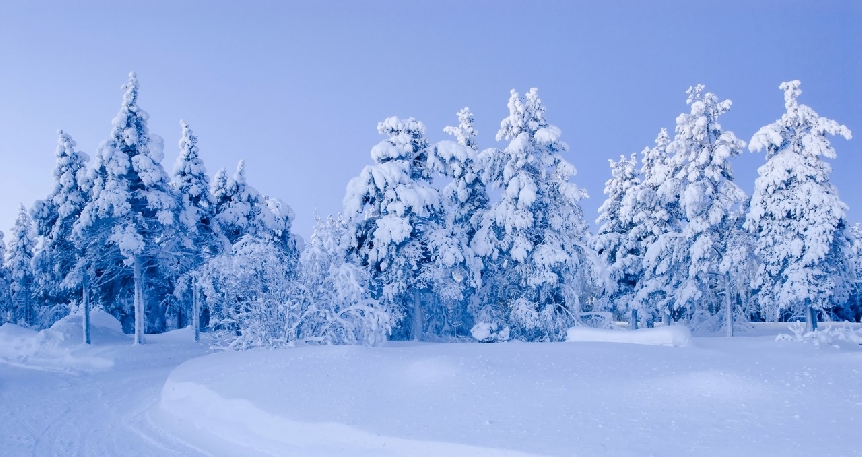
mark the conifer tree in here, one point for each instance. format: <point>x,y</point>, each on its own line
<point>536,233</point>
<point>616,241</point>
<point>391,209</point>
<point>19,259</point>
<point>710,203</point>
<point>6,304</point>
<point>121,227</point>
<point>54,218</point>
<point>198,239</point>
<point>796,216</point>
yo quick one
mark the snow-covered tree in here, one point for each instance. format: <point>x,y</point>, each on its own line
<point>711,204</point>
<point>656,215</point>
<point>456,271</point>
<point>198,240</point>
<point>334,301</point>
<point>239,210</point>
<point>19,260</point>
<point>796,215</point>
<point>535,235</point>
<point>391,209</point>
<point>6,306</point>
<point>122,226</point>
<point>57,255</point>
<point>248,294</point>
<point>616,241</point>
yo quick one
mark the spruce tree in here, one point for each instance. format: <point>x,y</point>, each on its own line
<point>121,227</point>
<point>19,259</point>
<point>392,208</point>
<point>796,216</point>
<point>536,234</point>
<point>58,283</point>
<point>616,240</point>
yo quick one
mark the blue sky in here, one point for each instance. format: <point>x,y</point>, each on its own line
<point>296,89</point>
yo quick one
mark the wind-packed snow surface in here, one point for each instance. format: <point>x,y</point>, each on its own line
<point>744,396</point>
<point>750,395</point>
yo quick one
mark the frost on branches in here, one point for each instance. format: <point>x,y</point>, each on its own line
<point>535,235</point>
<point>18,260</point>
<point>391,209</point>
<point>456,271</point>
<point>130,209</point>
<point>55,260</point>
<point>796,216</point>
<point>616,241</point>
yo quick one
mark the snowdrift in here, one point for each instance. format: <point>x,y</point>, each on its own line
<point>721,396</point>
<point>675,335</point>
<point>60,348</point>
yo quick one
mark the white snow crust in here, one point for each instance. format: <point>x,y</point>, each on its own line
<point>675,335</point>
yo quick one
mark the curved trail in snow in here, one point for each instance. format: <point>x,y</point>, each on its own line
<point>49,413</point>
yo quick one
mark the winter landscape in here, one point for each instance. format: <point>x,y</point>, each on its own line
<point>463,298</point>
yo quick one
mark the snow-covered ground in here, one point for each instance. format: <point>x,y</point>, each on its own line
<point>750,395</point>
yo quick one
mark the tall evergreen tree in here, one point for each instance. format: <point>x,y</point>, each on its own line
<point>711,204</point>
<point>536,233</point>
<point>6,304</point>
<point>796,216</point>
<point>391,209</point>
<point>19,261</point>
<point>54,217</point>
<point>616,241</point>
<point>656,215</point>
<point>198,239</point>
<point>122,227</point>
<point>456,271</point>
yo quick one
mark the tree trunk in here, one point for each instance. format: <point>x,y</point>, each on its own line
<point>665,318</point>
<point>85,302</point>
<point>811,318</point>
<point>417,315</point>
<point>196,311</point>
<point>634,323</point>
<point>139,301</point>
<point>728,307</point>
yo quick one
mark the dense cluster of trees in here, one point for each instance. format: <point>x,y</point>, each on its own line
<point>443,240</point>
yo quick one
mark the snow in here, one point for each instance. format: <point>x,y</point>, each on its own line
<point>675,335</point>
<point>749,395</point>
<point>60,348</point>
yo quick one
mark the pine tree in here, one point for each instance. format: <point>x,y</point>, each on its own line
<point>6,304</point>
<point>391,209</point>
<point>57,255</point>
<point>796,216</point>
<point>198,239</point>
<point>536,234</point>
<point>456,271</point>
<point>19,260</point>
<point>615,240</point>
<point>710,203</point>
<point>657,216</point>
<point>122,226</point>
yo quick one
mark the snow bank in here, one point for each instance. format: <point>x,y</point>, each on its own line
<point>60,348</point>
<point>243,424</point>
<point>675,335</point>
<point>721,396</point>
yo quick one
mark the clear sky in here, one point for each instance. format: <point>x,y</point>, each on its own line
<point>297,88</point>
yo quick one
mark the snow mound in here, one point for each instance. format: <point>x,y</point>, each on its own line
<point>60,347</point>
<point>243,424</point>
<point>676,335</point>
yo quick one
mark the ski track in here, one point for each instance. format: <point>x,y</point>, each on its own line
<point>47,413</point>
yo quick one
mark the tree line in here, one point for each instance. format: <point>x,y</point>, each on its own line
<point>444,241</point>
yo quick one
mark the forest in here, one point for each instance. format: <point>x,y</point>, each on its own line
<point>445,241</point>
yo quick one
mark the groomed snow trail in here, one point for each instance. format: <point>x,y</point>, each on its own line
<point>107,413</point>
